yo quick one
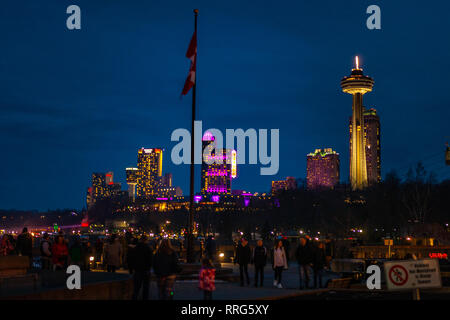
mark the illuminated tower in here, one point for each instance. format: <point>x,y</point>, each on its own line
<point>357,84</point>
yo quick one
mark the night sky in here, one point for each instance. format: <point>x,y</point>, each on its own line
<point>77,102</point>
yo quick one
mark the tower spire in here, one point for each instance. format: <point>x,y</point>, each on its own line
<point>357,85</point>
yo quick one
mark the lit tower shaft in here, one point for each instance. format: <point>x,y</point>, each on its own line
<point>357,84</point>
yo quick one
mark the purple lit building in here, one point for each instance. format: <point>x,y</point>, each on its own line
<point>322,169</point>
<point>216,176</point>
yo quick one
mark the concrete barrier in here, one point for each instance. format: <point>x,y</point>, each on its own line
<point>99,286</point>
<point>13,265</point>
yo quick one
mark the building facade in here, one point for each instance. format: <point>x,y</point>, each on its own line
<point>132,177</point>
<point>99,189</point>
<point>372,145</point>
<point>216,174</point>
<point>167,180</point>
<point>149,172</point>
<point>278,186</point>
<point>322,169</point>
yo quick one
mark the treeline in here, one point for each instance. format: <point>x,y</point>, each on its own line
<point>416,206</point>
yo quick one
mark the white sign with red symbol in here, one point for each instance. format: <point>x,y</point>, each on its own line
<point>412,274</point>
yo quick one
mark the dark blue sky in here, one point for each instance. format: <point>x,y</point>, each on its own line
<point>74,102</point>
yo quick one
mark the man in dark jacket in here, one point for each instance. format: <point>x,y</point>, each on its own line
<point>142,265</point>
<point>131,254</point>
<point>46,254</point>
<point>25,245</point>
<point>304,257</point>
<point>243,258</point>
<point>319,263</point>
<point>259,260</point>
<point>211,248</point>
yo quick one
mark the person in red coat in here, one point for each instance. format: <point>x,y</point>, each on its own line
<point>207,279</point>
<point>60,253</point>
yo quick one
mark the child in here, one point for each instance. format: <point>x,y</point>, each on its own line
<point>207,278</point>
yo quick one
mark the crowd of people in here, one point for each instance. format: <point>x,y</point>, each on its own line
<point>312,260</point>
<point>55,252</point>
<point>139,256</point>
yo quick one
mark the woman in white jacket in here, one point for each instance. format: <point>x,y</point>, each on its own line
<point>279,263</point>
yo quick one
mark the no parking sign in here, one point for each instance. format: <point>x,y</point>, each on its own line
<point>412,274</point>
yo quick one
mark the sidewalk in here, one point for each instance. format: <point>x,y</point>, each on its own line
<point>187,290</point>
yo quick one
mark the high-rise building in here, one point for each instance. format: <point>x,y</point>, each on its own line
<point>99,189</point>
<point>165,192</point>
<point>372,142</point>
<point>109,178</point>
<point>102,187</point>
<point>322,169</point>
<point>167,180</point>
<point>373,145</point>
<point>289,184</point>
<point>447,155</point>
<point>89,198</point>
<point>217,167</point>
<point>114,189</point>
<point>278,186</point>
<point>132,177</point>
<point>150,171</point>
<point>357,84</point>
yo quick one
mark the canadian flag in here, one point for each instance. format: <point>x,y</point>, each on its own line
<point>191,54</point>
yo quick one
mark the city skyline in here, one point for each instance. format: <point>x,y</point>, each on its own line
<point>76,110</point>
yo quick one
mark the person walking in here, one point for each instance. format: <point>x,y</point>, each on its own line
<point>86,254</point>
<point>141,268</point>
<point>243,258</point>
<point>131,254</point>
<point>25,245</point>
<point>304,258</point>
<point>319,264</point>
<point>6,247</point>
<point>99,251</point>
<point>46,254</point>
<point>259,259</point>
<point>165,267</point>
<point>279,263</point>
<point>75,253</point>
<point>60,253</point>
<point>207,278</point>
<point>113,254</point>
<point>210,248</point>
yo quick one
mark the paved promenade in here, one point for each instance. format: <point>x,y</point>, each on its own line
<point>187,290</point>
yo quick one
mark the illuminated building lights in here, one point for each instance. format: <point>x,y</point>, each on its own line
<point>289,184</point>
<point>149,172</point>
<point>322,169</point>
<point>217,166</point>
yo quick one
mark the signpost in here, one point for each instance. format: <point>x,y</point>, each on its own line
<point>413,275</point>
<point>389,243</point>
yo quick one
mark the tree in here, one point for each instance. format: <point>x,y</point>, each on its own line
<point>416,193</point>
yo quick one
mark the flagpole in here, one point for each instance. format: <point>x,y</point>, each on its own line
<point>190,242</point>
